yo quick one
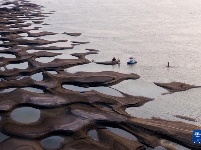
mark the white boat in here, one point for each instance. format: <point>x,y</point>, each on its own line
<point>131,61</point>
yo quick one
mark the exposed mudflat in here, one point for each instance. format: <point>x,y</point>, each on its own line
<point>176,86</point>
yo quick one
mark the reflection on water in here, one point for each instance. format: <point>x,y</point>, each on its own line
<point>37,76</point>
<point>8,6</point>
<point>53,142</point>
<point>21,77</point>
<point>3,48</point>
<point>3,137</point>
<point>185,103</point>
<point>52,72</point>
<point>25,114</point>
<point>23,34</point>
<point>101,89</point>
<point>7,55</point>
<point>18,66</point>
<point>123,133</point>
<point>160,148</point>
<point>7,90</point>
<point>120,132</point>
<point>140,88</point>
<point>172,145</point>
<point>93,134</point>
<point>59,44</point>
<point>33,90</point>
<point>92,67</point>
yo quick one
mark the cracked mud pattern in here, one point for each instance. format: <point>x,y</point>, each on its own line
<point>66,116</point>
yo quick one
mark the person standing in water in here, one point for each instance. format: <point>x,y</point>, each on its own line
<point>114,59</point>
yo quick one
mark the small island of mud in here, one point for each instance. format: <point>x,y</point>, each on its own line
<point>176,86</point>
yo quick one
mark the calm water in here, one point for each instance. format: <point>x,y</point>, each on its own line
<point>53,142</point>
<point>153,31</point>
<point>25,115</point>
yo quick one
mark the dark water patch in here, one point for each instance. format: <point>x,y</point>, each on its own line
<point>93,134</point>
<point>53,142</point>
<point>148,148</point>
<point>12,28</point>
<point>25,115</point>
<point>122,133</point>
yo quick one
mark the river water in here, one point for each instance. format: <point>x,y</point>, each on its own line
<point>153,31</point>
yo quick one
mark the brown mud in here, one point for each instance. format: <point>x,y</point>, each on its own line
<point>67,113</point>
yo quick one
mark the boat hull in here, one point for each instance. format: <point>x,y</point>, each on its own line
<point>131,63</point>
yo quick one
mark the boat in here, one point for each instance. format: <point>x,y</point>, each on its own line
<point>131,61</point>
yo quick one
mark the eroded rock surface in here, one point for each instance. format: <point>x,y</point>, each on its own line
<point>67,113</point>
<point>176,86</point>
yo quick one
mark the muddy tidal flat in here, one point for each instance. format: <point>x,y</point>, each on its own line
<point>45,107</point>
